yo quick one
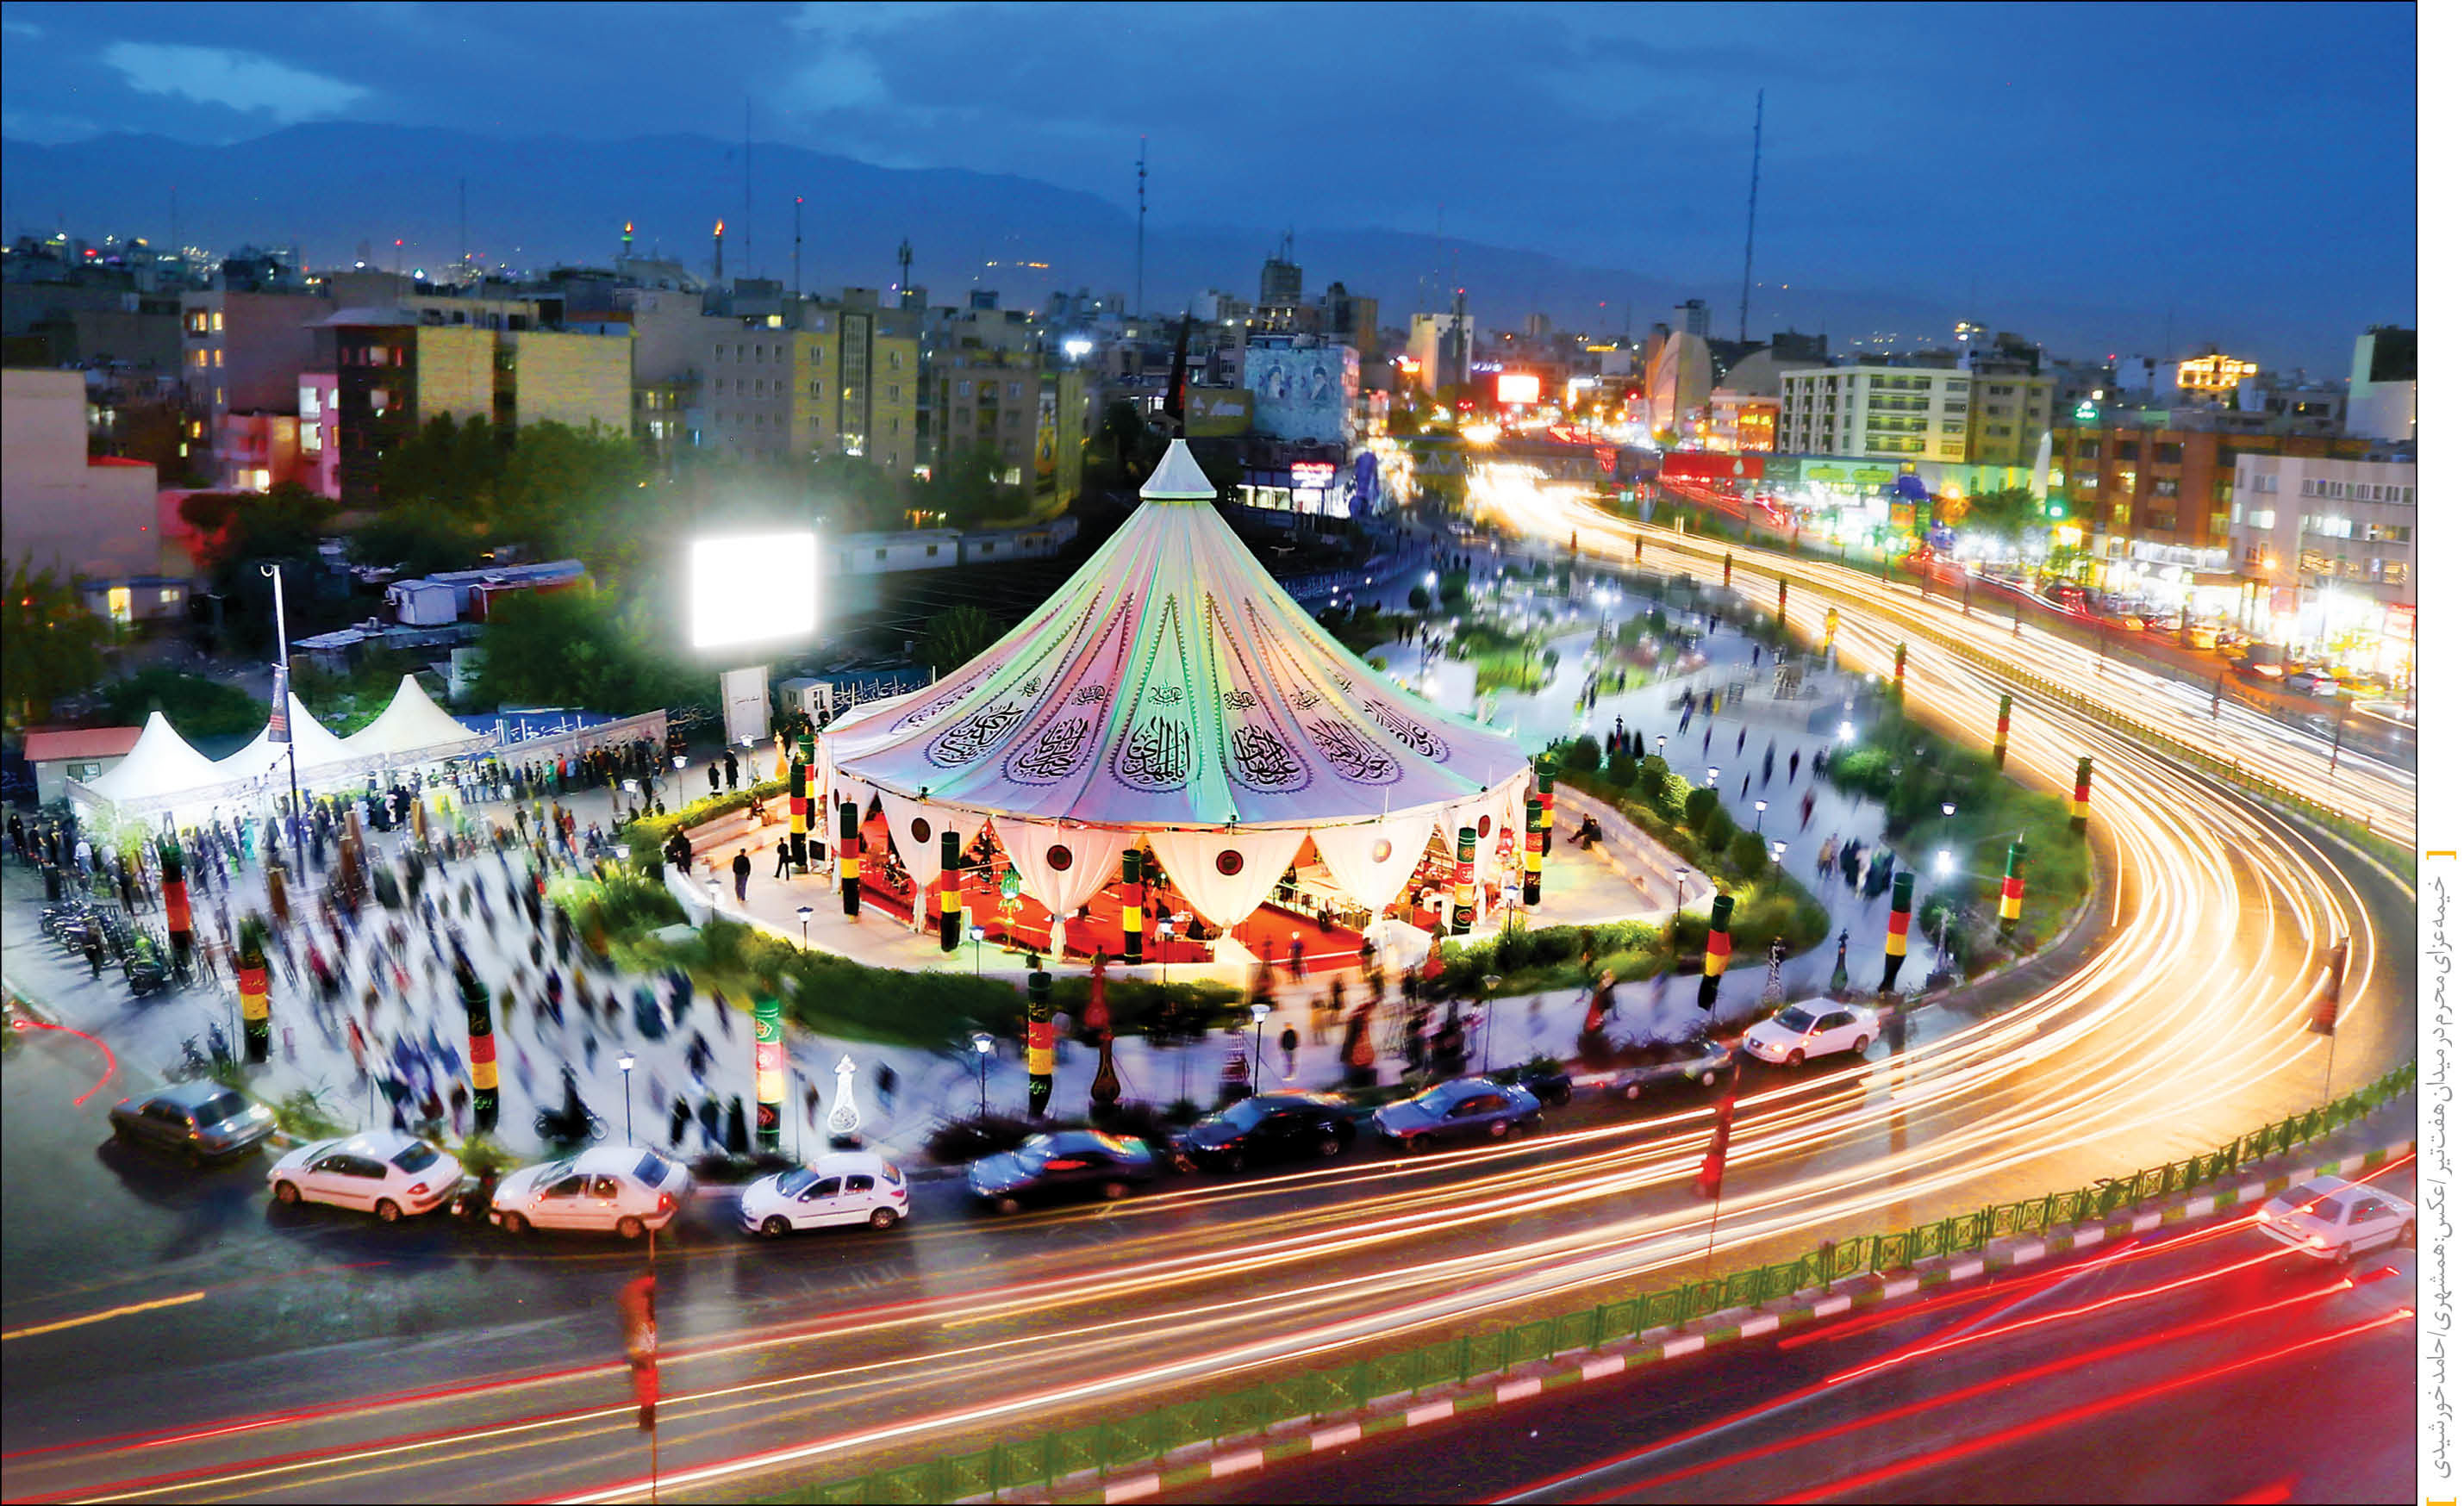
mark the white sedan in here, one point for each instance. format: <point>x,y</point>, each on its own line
<point>616,1188</point>
<point>387,1173</point>
<point>2328,1218</point>
<point>847,1189</point>
<point>1814,1028</point>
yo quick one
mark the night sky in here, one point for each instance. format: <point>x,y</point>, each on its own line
<point>2149,162</point>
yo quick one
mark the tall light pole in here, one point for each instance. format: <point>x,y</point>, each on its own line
<point>624,1064</point>
<point>1258,1013</point>
<point>975,934</point>
<point>1488,983</point>
<point>983,1059</point>
<point>282,714</point>
<point>1760,806</point>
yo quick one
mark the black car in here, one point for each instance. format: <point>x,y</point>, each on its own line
<point>202,1119</point>
<point>1272,1126</point>
<point>1675,1065</point>
<point>1070,1162</point>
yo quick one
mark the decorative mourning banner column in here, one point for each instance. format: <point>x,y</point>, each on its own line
<point>1895,941</point>
<point>799,802</point>
<point>2002,733</point>
<point>2014,885</point>
<point>850,866</point>
<point>1039,1039</point>
<point>483,1043</point>
<point>175,905</point>
<point>769,1072</point>
<point>1783,600</point>
<point>1715,950</point>
<point>2078,795</point>
<point>1899,673</point>
<point>1134,906</point>
<point>1728,570</point>
<point>256,1008</point>
<point>1531,851</point>
<point>1466,849</point>
<point>949,904</point>
<point>1544,777</point>
<point>1830,628</point>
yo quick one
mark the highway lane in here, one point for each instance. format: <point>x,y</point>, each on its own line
<point>2081,1380</point>
<point>2181,1031</point>
<point>2296,757</point>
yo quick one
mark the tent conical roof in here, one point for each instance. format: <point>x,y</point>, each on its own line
<point>317,747</point>
<point>1170,683</point>
<point>412,728</point>
<point>160,764</point>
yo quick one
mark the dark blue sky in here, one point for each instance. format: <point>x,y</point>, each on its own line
<point>2238,167</point>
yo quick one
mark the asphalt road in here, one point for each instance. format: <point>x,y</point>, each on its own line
<point>2198,1364</point>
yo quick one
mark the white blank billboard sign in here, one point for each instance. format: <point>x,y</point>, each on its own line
<point>744,701</point>
<point>755,589</point>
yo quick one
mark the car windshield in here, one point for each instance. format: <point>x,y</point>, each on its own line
<point>553,1172</point>
<point>1035,1151</point>
<point>417,1156</point>
<point>653,1170</point>
<point>791,1183</point>
<point>1244,1115</point>
<point>1797,1019</point>
<point>220,1107</point>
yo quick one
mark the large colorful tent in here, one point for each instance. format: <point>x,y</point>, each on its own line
<point>1172,694</point>
<point>412,730</point>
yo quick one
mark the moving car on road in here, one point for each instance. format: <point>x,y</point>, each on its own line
<point>1675,1065</point>
<point>616,1188</point>
<point>1466,1109</point>
<point>388,1173</point>
<point>202,1119</point>
<point>1070,1162</point>
<point>1272,1126</point>
<point>849,1188</point>
<point>2328,1218</point>
<point>1814,1028</point>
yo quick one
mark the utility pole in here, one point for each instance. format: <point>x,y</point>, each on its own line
<point>749,269</point>
<point>1138,299</point>
<point>1753,192</point>
<point>463,189</point>
<point>282,718</point>
<point>796,261</point>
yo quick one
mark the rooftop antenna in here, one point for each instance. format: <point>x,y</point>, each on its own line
<point>905,270</point>
<point>1753,191</point>
<point>462,191</point>
<point>748,185</point>
<point>796,263</point>
<point>1138,299</point>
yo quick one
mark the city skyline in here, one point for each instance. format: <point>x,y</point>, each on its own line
<point>1629,174</point>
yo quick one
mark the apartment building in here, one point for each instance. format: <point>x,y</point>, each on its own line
<point>1869,410</point>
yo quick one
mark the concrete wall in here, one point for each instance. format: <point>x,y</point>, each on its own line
<point>579,379</point>
<point>457,373</point>
<point>96,520</point>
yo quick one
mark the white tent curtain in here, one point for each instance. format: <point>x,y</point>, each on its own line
<point>1062,867</point>
<point>915,828</point>
<point>161,765</point>
<point>1227,874</point>
<point>1371,861</point>
<point>1504,807</point>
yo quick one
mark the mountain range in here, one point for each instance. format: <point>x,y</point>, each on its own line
<point>345,192</point>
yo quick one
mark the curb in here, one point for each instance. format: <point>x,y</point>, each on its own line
<point>1295,1436</point>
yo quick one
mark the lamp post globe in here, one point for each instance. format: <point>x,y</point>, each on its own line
<point>975,934</point>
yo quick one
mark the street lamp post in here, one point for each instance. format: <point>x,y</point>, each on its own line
<point>975,934</point>
<point>983,1059</point>
<point>1662,740</point>
<point>1488,983</point>
<point>805,918</point>
<point>1163,935</point>
<point>1760,806</point>
<point>1713,782</point>
<point>1258,1013</point>
<point>1683,874</point>
<point>624,1064</point>
<point>282,710</point>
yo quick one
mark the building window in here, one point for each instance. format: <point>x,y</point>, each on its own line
<point>2169,454</point>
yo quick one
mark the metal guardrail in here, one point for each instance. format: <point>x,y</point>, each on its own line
<point>1035,1463</point>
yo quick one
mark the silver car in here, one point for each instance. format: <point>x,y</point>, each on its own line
<point>202,1120</point>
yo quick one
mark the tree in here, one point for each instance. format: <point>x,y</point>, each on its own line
<point>966,491</point>
<point>1584,757</point>
<point>420,540</point>
<point>580,646</point>
<point>51,646</point>
<point>239,528</point>
<point>1748,853</point>
<point>196,706</point>
<point>956,636</point>
<point>2004,514</point>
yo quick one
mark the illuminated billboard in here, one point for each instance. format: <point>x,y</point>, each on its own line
<point>1302,392</point>
<point>1518,386</point>
<point>755,589</point>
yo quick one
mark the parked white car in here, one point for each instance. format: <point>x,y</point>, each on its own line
<point>619,1190</point>
<point>387,1173</point>
<point>2328,1218</point>
<point>1814,1028</point>
<point>849,1188</point>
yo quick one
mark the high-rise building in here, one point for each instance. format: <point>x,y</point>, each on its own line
<point>2384,396</point>
<point>2326,548</point>
<point>1692,317</point>
<point>1868,409</point>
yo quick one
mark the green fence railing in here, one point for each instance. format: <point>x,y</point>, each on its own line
<point>1138,1440</point>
